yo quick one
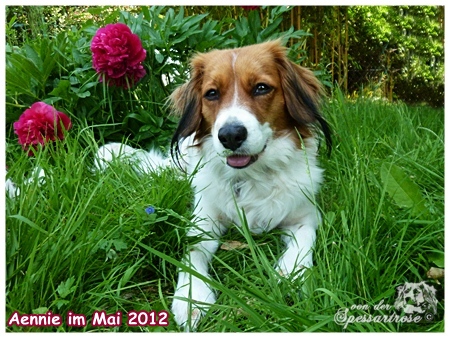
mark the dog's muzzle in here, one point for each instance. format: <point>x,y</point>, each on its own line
<point>232,136</point>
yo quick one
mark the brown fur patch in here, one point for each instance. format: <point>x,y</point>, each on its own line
<point>290,107</point>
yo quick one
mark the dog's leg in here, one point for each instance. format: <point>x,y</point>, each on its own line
<point>143,162</point>
<point>192,295</point>
<point>299,241</point>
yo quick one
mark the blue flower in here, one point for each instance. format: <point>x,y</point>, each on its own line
<point>150,210</point>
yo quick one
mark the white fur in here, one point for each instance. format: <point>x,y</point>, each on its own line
<point>277,190</point>
<point>258,133</point>
<point>143,162</point>
<point>11,189</point>
<point>36,174</point>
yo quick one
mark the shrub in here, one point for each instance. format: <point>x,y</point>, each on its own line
<point>58,69</point>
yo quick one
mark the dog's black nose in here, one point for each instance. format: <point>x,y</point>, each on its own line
<point>232,135</point>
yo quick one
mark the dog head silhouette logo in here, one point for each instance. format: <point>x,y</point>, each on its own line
<point>416,298</point>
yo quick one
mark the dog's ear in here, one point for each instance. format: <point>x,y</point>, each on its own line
<point>177,100</point>
<point>302,92</point>
<point>186,102</point>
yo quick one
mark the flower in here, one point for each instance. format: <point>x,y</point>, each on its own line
<point>39,124</point>
<point>150,210</point>
<point>117,54</point>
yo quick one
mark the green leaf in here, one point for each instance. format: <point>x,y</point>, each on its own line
<point>62,89</point>
<point>40,310</point>
<point>119,244</point>
<point>146,12</point>
<point>52,100</point>
<point>242,27</point>
<point>437,258</point>
<point>271,28</point>
<point>33,56</point>
<point>60,302</point>
<point>84,94</point>
<point>26,66</point>
<point>254,21</point>
<point>66,288</point>
<point>192,21</point>
<point>403,190</point>
<point>159,57</point>
<point>128,274</point>
<point>80,93</point>
<point>30,223</point>
<point>136,116</point>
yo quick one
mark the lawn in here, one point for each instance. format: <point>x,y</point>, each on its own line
<point>83,241</point>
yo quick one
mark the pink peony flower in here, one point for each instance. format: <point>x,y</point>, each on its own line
<point>117,54</point>
<point>39,124</point>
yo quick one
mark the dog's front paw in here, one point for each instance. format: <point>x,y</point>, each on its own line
<point>291,266</point>
<point>192,299</point>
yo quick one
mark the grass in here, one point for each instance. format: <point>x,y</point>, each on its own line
<point>83,241</point>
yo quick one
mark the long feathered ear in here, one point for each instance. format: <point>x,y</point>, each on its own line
<point>185,101</point>
<point>302,92</point>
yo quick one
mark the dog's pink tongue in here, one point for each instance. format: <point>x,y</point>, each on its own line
<point>238,161</point>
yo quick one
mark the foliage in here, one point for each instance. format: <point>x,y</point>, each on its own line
<point>249,30</point>
<point>84,228</point>
<point>83,241</point>
<point>405,42</point>
<point>396,51</point>
<point>58,69</point>
<point>402,54</point>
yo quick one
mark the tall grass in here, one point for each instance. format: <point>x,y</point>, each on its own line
<point>82,241</point>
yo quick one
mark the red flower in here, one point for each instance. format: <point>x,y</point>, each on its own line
<point>250,8</point>
<point>117,54</point>
<point>39,124</point>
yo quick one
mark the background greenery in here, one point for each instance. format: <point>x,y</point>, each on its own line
<point>82,241</point>
<point>56,67</point>
<point>391,52</point>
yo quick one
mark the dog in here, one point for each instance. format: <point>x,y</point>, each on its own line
<point>249,131</point>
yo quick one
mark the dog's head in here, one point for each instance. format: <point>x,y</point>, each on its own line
<point>243,98</point>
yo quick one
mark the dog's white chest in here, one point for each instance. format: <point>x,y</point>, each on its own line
<point>261,205</point>
<point>267,194</point>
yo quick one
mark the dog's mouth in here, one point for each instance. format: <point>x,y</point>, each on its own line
<point>238,161</point>
<point>241,161</point>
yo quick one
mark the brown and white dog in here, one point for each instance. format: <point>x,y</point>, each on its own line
<point>248,118</point>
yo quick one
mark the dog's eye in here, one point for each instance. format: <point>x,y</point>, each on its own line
<point>261,89</point>
<point>212,95</point>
